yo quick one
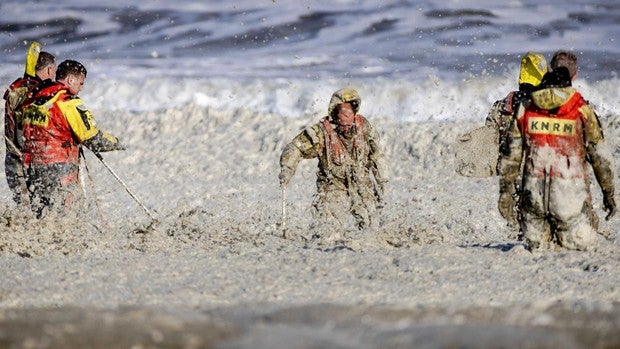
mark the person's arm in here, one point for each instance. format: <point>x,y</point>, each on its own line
<point>85,129</point>
<point>508,169</point>
<point>376,162</point>
<point>500,113</point>
<point>600,157</point>
<point>305,145</point>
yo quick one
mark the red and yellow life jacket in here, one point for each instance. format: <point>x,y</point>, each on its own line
<point>560,130</point>
<point>49,138</point>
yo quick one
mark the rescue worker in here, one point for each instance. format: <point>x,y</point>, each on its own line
<point>56,124</point>
<point>350,176</point>
<point>40,65</point>
<point>554,139</point>
<point>533,68</point>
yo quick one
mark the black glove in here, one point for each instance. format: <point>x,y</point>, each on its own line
<point>610,205</point>
<point>119,146</point>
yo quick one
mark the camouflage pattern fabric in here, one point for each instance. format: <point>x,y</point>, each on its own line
<point>350,183</point>
<point>555,203</point>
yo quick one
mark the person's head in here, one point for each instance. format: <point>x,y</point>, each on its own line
<point>565,59</point>
<point>344,116</point>
<point>72,74</point>
<point>533,68</point>
<point>46,66</point>
<point>558,77</point>
<point>343,106</point>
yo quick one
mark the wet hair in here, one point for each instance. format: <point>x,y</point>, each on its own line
<point>45,59</point>
<point>70,67</point>
<point>353,103</point>
<point>565,59</point>
<point>558,77</point>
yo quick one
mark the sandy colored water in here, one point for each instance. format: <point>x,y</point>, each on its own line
<point>215,271</point>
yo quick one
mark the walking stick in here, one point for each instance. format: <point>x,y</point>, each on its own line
<point>133,196</point>
<point>283,223</point>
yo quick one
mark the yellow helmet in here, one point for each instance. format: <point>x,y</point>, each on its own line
<point>533,68</point>
<point>31,58</point>
<point>345,95</point>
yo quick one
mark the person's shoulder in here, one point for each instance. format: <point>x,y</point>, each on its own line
<point>364,119</point>
<point>314,129</point>
<point>313,133</point>
<point>47,87</point>
<point>25,81</point>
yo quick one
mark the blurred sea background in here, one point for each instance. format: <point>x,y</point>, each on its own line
<point>411,60</point>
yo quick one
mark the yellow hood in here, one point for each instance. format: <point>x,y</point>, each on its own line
<point>533,68</point>
<point>553,97</point>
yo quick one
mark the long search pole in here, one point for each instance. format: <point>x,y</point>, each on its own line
<point>283,197</point>
<point>125,186</point>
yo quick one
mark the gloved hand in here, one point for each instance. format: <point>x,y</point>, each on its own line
<point>506,207</point>
<point>380,196</point>
<point>119,146</point>
<point>610,205</point>
<point>285,176</point>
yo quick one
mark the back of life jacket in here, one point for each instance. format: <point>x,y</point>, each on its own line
<point>554,139</point>
<point>48,136</point>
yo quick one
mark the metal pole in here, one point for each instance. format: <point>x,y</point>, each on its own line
<point>284,235</point>
<point>125,186</point>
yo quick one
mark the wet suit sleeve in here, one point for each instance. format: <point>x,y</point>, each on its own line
<point>376,161</point>
<point>508,168</point>
<point>306,145</point>
<point>600,157</point>
<point>495,115</point>
<point>84,127</point>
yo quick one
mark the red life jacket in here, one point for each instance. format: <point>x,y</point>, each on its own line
<point>560,130</point>
<point>337,151</point>
<point>49,138</point>
<point>11,120</point>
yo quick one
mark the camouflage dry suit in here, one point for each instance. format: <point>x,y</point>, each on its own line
<point>553,140</point>
<point>15,96</point>
<point>532,70</point>
<point>346,162</point>
<point>500,117</point>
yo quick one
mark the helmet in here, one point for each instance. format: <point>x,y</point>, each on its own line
<point>344,95</point>
<point>533,68</point>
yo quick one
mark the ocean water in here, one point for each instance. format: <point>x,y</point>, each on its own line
<point>410,60</point>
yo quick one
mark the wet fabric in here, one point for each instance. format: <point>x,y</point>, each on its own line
<point>56,125</point>
<point>350,174</point>
<point>54,188</point>
<point>15,96</point>
<point>553,140</point>
<point>533,68</point>
<point>501,118</point>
